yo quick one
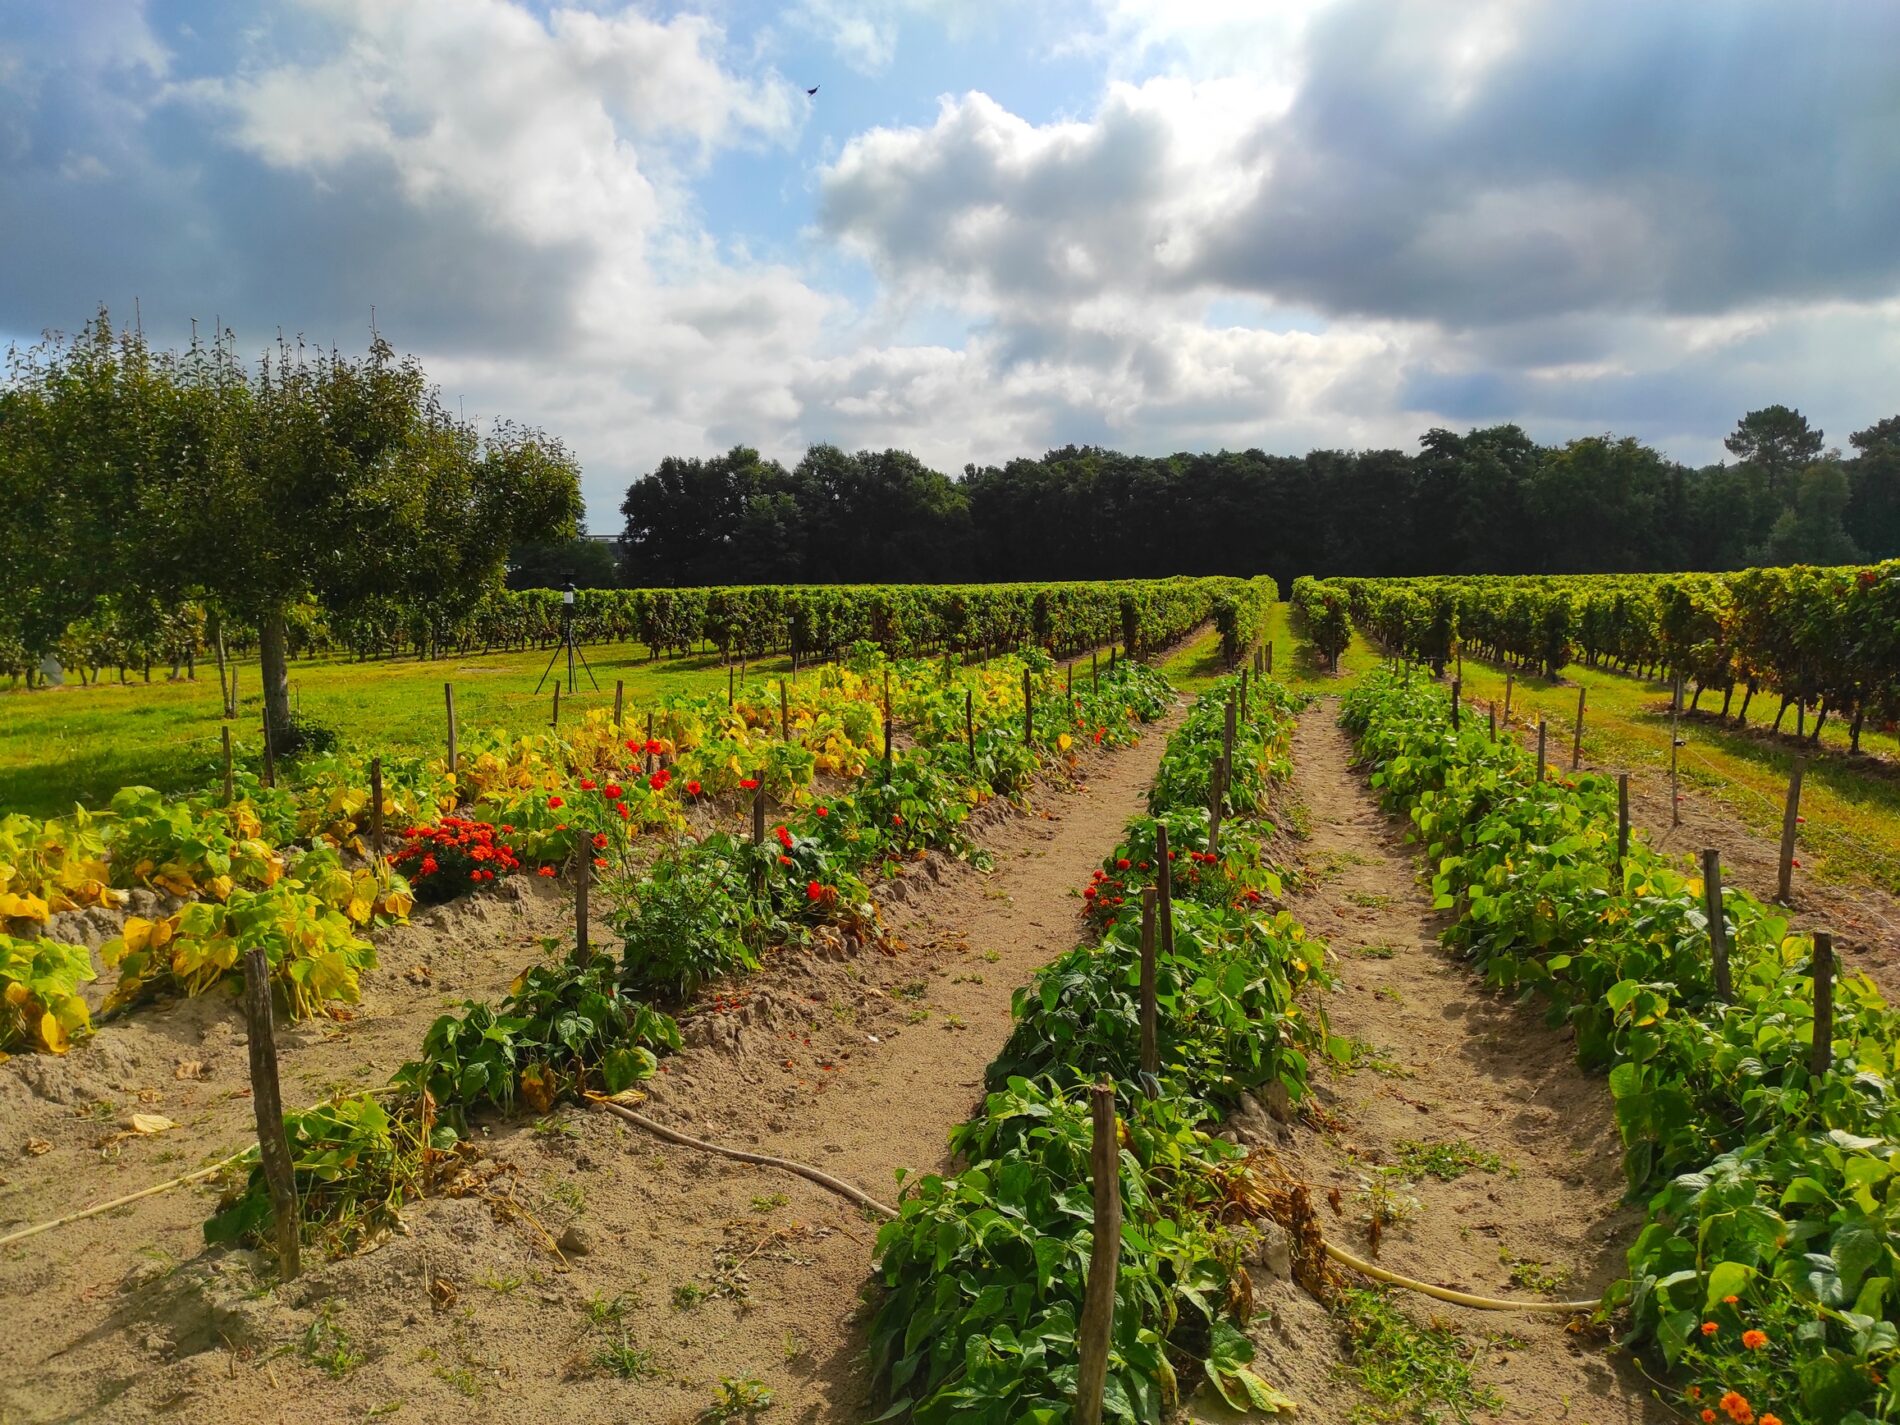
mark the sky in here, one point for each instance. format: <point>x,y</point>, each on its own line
<point>997,228</point>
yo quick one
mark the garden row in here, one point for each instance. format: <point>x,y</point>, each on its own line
<point>286,866</point>
<point>1766,1271</point>
<point>815,621</point>
<point>986,1269</point>
<point>1826,638</point>
<point>706,906</point>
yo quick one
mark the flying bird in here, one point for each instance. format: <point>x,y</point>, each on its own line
<point>811,91</point>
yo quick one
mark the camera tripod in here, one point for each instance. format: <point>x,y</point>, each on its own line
<point>572,649</point>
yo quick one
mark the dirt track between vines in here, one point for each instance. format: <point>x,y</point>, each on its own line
<point>1444,1063</point>
<point>699,1267</point>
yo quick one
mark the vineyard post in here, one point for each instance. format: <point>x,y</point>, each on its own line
<point>1029,713</point>
<point>1150,1055</point>
<point>376,807</point>
<point>1269,658</point>
<point>1227,734</point>
<point>784,714</point>
<point>887,725</point>
<point>583,877</point>
<point>1111,658</point>
<point>969,724</point>
<point>1457,691</point>
<point>270,751</point>
<point>1509,679</point>
<point>1491,720</point>
<point>1622,821</point>
<point>649,748</point>
<point>758,808</point>
<point>1095,667</point>
<point>620,700</point>
<point>731,686</point>
<point>273,1147</point>
<point>1718,927</point>
<point>1216,789</point>
<point>555,721</point>
<point>224,697</point>
<point>1070,691</point>
<point>1243,687</point>
<point>1098,1299</point>
<point>230,781</point>
<point>1790,820</point>
<point>1576,741</point>
<point>231,710</point>
<point>1675,745</point>
<point>1821,1055</point>
<point>448,698</point>
<point>1542,731</point>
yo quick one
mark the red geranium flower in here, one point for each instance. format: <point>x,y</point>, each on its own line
<point>692,789</point>
<point>751,784</point>
<point>784,837</point>
<point>600,841</point>
<point>814,891</point>
<point>547,871</point>
<point>611,791</point>
<point>556,802</point>
<point>587,784</point>
<point>1121,863</point>
<point>824,811</point>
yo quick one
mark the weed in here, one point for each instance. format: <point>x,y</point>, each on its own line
<point>738,1399</point>
<point>773,1203</point>
<point>1422,1373</point>
<point>1363,1054</point>
<point>506,1286</point>
<point>993,956</point>
<point>1384,1201</point>
<point>1389,993</point>
<point>1368,900</point>
<point>918,1015</point>
<point>461,1379</point>
<point>568,1192</point>
<point>1445,1161</point>
<point>1533,1275</point>
<point>687,1295</point>
<point>626,1360</point>
<point>1378,952</point>
<point>951,1021</point>
<point>556,1126</point>
<point>913,990</point>
<point>327,1346</point>
<point>604,1310</point>
<point>794,1345</point>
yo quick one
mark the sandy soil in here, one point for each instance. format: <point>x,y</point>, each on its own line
<point>672,1270</point>
<point>1443,1063</point>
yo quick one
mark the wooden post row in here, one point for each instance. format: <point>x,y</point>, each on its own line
<point>1675,746</point>
<point>620,701</point>
<point>230,778</point>
<point>556,720</point>
<point>1457,693</point>
<point>376,807</point>
<point>1622,821</point>
<point>1576,741</point>
<point>270,749</point>
<point>1718,924</point>
<point>784,713</point>
<point>1029,713</point>
<point>273,1146</point>
<point>969,723</point>
<point>448,698</point>
<point>1097,1325</point>
<point>1509,679</point>
<point>1164,890</point>
<point>1541,732</point>
<point>1790,821</point>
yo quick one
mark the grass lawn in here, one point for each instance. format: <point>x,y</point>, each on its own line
<point>1852,805</point>
<point>73,744</point>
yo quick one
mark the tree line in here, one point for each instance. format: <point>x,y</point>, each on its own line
<point>137,481</point>
<point>1489,501</point>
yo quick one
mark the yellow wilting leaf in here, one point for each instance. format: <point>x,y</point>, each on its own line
<point>146,1123</point>
<point>1064,742</point>
<point>18,994</point>
<point>14,905</point>
<point>53,1034</point>
<point>219,887</point>
<point>136,935</point>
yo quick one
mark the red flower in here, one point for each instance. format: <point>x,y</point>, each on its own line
<point>547,871</point>
<point>896,820</point>
<point>659,780</point>
<point>633,744</point>
<point>506,827</point>
<point>655,746</point>
<point>692,789</point>
<point>474,875</point>
<point>1088,893</point>
<point>814,891</point>
<point>429,867</point>
<point>785,860</point>
<point>600,841</point>
<point>1754,1340</point>
<point>824,811</point>
<point>621,807</point>
<point>611,791</point>
<point>784,837</point>
<point>1709,1328</point>
<point>601,861</point>
<point>749,783</point>
<point>480,853</point>
<point>1121,863</point>
<point>587,784</point>
<point>556,802</point>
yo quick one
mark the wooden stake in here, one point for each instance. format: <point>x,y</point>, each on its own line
<point>1269,659</point>
<point>270,751</point>
<point>969,723</point>
<point>1821,1056</point>
<point>376,807</point>
<point>758,809</point>
<point>1095,667</point>
<point>620,700</point>
<point>784,713</point>
<point>1097,1326</point>
<point>731,685</point>
<point>1029,713</point>
<point>1509,679</point>
<point>1164,889</point>
<point>1576,741</point>
<point>1790,821</point>
<point>1216,791</point>
<point>1491,720</point>
<point>448,698</point>
<point>1622,822</point>
<point>1069,690</point>
<point>1150,1055</point>
<point>887,727</point>
<point>1542,730</point>
<point>273,1146</point>
<point>649,747</point>
<point>1457,692</point>
<point>556,720</point>
<point>1675,746</point>
<point>583,878</point>
<point>1718,925</point>
<point>230,779</point>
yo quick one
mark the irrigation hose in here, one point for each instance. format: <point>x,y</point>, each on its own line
<point>1338,1254</point>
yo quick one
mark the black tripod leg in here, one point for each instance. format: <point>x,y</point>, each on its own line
<point>549,669</point>
<point>588,666</point>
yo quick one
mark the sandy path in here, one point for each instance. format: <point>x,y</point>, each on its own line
<point>1442,1063</point>
<point>683,1269</point>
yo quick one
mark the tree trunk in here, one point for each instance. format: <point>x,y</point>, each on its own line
<point>273,651</point>
<point>1820,717</point>
<point>1728,696</point>
<point>1741,718</point>
<point>1782,711</point>
<point>1853,729</point>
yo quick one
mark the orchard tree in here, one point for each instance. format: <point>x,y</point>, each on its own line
<point>1778,441</point>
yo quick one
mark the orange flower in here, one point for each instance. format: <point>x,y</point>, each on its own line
<point>1736,1404</point>
<point>1730,1300</point>
<point>1754,1340</point>
<point>1708,1416</point>
<point>1709,1328</point>
<point>1771,1419</point>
